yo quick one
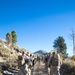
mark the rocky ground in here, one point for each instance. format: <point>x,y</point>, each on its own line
<point>39,69</point>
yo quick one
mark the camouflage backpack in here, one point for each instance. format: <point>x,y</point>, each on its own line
<point>19,61</point>
<point>20,57</point>
<point>54,61</point>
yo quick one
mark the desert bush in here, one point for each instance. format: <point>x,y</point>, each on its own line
<point>68,67</point>
<point>73,58</point>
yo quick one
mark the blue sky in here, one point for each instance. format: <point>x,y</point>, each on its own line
<point>38,22</point>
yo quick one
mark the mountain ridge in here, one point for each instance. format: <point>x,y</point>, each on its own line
<point>40,52</point>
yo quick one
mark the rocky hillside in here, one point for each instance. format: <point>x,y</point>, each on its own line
<point>9,54</point>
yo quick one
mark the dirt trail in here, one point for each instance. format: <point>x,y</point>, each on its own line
<point>39,69</point>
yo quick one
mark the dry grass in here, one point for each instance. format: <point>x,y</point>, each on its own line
<point>68,66</point>
<point>10,54</point>
<point>73,58</point>
<point>4,52</point>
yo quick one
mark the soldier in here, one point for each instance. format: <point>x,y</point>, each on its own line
<point>59,63</point>
<point>54,64</point>
<point>49,64</point>
<point>21,62</point>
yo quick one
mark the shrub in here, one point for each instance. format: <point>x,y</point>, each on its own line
<point>68,67</point>
<point>73,58</point>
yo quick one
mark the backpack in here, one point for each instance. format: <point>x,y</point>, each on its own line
<point>30,63</point>
<point>34,62</point>
<point>54,61</point>
<point>19,61</point>
<point>27,61</point>
<point>46,59</point>
<point>20,57</point>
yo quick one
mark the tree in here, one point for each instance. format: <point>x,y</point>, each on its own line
<point>60,45</point>
<point>9,37</point>
<point>72,36</point>
<point>14,37</point>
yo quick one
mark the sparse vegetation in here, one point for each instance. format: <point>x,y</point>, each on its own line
<point>68,67</point>
<point>8,56</point>
<point>4,52</point>
<point>73,58</point>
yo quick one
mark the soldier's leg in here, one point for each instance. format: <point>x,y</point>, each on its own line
<point>56,71</point>
<point>52,71</point>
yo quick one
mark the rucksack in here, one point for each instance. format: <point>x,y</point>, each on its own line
<point>30,63</point>
<point>20,57</point>
<point>54,61</point>
<point>19,61</point>
<point>46,59</point>
<point>34,62</point>
<point>27,61</point>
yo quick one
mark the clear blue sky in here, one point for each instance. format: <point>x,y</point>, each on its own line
<point>38,22</point>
